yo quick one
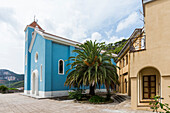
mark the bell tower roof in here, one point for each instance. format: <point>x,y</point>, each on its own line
<point>34,24</point>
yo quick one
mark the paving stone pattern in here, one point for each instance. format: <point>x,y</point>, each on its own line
<point>17,103</point>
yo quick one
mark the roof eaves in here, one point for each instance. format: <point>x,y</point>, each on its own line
<point>60,40</point>
<point>127,44</point>
<point>51,35</point>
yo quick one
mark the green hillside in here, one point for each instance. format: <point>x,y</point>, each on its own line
<point>17,84</point>
<point>117,46</point>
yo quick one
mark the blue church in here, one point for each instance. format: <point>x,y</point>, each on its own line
<point>45,66</point>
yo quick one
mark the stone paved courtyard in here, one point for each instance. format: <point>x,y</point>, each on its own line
<point>16,103</point>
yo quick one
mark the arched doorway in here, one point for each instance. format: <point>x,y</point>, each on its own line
<point>125,85</point>
<point>34,83</point>
<point>148,83</point>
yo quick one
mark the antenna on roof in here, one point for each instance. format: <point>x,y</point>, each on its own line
<point>34,17</point>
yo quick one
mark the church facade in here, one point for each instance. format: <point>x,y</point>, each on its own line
<point>45,65</point>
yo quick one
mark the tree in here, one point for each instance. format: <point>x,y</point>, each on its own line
<point>91,68</point>
<point>3,89</point>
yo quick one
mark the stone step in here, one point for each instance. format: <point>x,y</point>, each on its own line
<point>119,98</point>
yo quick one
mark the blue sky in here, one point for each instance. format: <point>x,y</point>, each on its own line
<point>79,20</point>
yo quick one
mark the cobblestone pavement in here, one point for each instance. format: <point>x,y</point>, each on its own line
<point>16,103</point>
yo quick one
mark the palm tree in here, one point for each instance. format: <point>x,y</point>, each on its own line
<point>91,68</point>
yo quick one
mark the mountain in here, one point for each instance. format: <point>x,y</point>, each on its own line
<point>8,77</point>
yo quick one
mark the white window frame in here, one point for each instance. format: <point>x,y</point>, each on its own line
<point>41,73</point>
<point>59,66</point>
<point>36,57</point>
<point>26,76</point>
<point>26,59</point>
<point>143,43</point>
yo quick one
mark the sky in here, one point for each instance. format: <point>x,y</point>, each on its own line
<point>80,20</point>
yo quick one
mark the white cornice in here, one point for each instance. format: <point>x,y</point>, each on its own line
<point>32,42</point>
<point>59,40</point>
<point>147,1</point>
<point>55,39</point>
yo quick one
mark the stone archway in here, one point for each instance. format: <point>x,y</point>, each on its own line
<point>148,83</point>
<point>34,83</point>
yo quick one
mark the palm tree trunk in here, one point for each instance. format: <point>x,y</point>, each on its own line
<point>92,90</point>
<point>108,91</point>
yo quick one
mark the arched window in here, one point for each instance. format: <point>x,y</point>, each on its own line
<point>32,34</point>
<point>36,57</point>
<point>61,67</point>
<point>41,72</point>
<point>125,85</point>
<point>26,59</point>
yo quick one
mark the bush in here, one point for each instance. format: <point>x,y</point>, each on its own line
<point>97,99</point>
<point>77,94</point>
<point>3,89</point>
<point>12,89</point>
<point>157,104</point>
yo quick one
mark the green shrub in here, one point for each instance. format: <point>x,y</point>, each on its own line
<point>3,89</point>
<point>77,94</point>
<point>157,104</point>
<point>97,99</point>
<point>12,89</point>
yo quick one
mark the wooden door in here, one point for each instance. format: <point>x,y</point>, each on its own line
<point>149,87</point>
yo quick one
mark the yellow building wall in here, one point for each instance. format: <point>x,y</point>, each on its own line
<point>157,53</point>
<point>123,73</point>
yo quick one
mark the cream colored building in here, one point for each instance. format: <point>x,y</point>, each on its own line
<point>148,50</point>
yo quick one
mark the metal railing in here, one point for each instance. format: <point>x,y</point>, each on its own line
<point>138,43</point>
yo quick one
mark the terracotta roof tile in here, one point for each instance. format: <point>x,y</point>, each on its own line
<point>34,24</point>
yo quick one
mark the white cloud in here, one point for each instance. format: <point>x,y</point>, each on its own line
<point>130,20</point>
<point>94,36</point>
<point>73,19</point>
<point>112,39</point>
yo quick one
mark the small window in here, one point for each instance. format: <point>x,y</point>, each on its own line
<point>32,34</point>
<point>36,57</point>
<point>41,72</point>
<point>26,59</point>
<point>123,62</point>
<point>60,67</point>
<point>143,43</point>
<point>126,59</point>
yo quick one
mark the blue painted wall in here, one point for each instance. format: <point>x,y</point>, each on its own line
<point>48,65</point>
<point>59,52</point>
<point>27,67</point>
<point>39,47</point>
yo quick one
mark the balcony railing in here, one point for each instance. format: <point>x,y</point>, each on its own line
<point>138,43</point>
